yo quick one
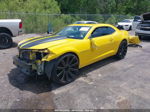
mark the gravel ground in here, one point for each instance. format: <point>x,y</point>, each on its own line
<point>108,84</point>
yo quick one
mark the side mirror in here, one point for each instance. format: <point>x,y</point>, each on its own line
<point>93,44</point>
<point>91,36</point>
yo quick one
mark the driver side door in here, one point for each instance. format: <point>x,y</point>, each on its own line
<point>102,42</point>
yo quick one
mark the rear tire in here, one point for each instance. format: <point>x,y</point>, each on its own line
<point>122,51</point>
<point>5,41</point>
<point>66,69</point>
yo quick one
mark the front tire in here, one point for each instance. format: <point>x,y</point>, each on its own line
<point>122,51</point>
<point>66,69</point>
<point>5,41</point>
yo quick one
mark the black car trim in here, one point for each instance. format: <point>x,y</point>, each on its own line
<point>43,40</point>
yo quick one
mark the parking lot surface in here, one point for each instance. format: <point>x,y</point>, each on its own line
<point>108,84</point>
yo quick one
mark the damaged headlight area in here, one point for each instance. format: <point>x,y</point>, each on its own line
<point>32,55</point>
<point>31,60</point>
<point>41,54</point>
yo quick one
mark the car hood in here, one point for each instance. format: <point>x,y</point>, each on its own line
<point>44,42</point>
<point>146,16</point>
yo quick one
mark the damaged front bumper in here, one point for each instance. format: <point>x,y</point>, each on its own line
<point>24,67</point>
<point>29,68</point>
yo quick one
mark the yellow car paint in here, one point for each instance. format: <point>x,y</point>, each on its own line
<point>134,40</point>
<point>88,50</point>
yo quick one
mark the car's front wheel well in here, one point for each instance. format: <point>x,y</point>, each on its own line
<point>73,54</point>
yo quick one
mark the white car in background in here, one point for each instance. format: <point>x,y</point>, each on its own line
<point>9,28</point>
<point>126,24</point>
<point>143,28</point>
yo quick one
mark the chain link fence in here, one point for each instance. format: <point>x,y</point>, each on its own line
<point>41,23</point>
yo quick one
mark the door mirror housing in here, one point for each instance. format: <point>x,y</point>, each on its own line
<point>91,36</point>
<point>93,44</point>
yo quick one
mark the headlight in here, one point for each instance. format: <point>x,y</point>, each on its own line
<point>33,54</point>
<point>41,53</point>
<point>41,50</point>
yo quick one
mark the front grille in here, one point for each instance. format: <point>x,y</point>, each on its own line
<point>24,55</point>
<point>145,28</point>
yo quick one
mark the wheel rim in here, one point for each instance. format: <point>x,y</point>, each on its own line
<point>3,41</point>
<point>123,50</point>
<point>67,69</point>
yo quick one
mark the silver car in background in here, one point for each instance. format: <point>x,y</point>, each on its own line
<point>143,28</point>
<point>136,21</point>
<point>9,28</point>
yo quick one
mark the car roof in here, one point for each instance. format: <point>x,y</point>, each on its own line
<point>92,25</point>
<point>86,22</point>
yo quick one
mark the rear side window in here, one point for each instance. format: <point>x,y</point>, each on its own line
<point>110,30</point>
<point>102,31</point>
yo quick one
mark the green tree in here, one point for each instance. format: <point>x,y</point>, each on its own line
<point>34,6</point>
<point>105,6</point>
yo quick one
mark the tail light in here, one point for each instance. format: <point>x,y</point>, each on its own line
<point>20,25</point>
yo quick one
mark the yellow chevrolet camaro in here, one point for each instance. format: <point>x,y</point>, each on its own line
<point>61,56</point>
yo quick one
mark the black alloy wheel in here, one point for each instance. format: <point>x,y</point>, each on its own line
<point>5,41</point>
<point>66,69</point>
<point>122,51</point>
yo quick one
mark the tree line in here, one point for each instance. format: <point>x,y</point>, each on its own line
<point>132,7</point>
<point>37,15</point>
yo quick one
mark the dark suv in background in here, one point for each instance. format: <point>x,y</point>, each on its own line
<point>143,28</point>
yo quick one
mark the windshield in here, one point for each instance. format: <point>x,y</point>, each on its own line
<point>75,32</point>
<point>136,18</point>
